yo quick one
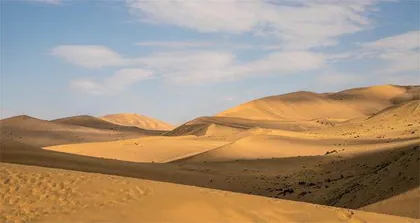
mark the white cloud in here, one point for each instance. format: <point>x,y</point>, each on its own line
<point>205,16</point>
<point>92,57</point>
<point>184,66</point>
<point>116,83</point>
<point>400,52</point>
<point>188,67</point>
<point>176,44</point>
<point>87,86</point>
<point>297,24</point>
<point>402,42</point>
<point>48,1</point>
<point>228,98</point>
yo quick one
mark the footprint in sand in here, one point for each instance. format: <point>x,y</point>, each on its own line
<point>348,216</point>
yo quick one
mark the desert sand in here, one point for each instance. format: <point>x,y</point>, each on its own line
<point>350,156</point>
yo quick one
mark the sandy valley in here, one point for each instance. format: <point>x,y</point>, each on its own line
<point>349,156</point>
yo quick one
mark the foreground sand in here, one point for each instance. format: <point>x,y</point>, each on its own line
<point>39,194</point>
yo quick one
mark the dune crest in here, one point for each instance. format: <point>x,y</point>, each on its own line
<point>360,102</point>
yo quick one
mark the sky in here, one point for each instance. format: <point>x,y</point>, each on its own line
<point>178,60</point>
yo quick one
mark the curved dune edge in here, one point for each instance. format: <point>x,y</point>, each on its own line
<point>155,149</point>
<point>269,147</point>
<point>408,204</point>
<point>53,195</point>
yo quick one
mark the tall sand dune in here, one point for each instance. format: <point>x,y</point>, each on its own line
<point>137,120</point>
<point>361,102</point>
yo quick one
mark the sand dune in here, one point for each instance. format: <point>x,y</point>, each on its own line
<point>389,125</point>
<point>347,104</point>
<point>230,126</point>
<point>92,122</point>
<point>270,146</point>
<point>149,149</point>
<point>136,120</point>
<point>51,195</point>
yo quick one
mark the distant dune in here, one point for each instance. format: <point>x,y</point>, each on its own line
<point>97,123</point>
<point>136,120</point>
<point>40,133</point>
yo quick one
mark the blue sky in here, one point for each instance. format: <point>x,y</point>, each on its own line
<point>177,60</point>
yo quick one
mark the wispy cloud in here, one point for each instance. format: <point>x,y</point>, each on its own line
<point>400,52</point>
<point>192,67</point>
<point>209,45</point>
<point>296,24</point>
<point>92,57</point>
<point>116,83</point>
<point>176,44</point>
<point>228,98</point>
<point>203,67</point>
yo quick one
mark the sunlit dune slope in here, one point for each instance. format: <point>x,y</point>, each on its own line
<point>136,120</point>
<point>54,195</point>
<point>399,121</point>
<point>148,149</point>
